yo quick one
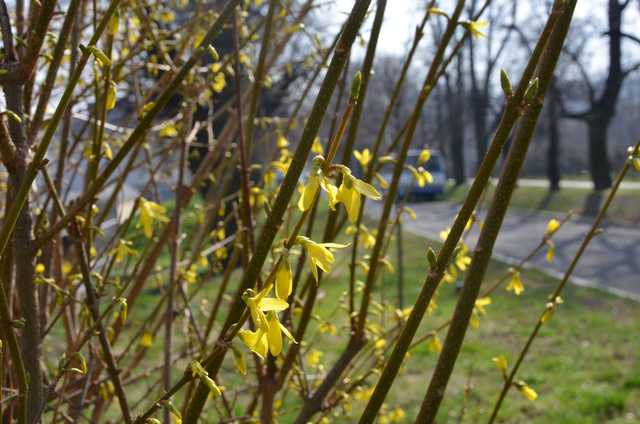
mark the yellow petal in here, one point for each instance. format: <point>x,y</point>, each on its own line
<point>331,190</point>
<point>321,255</point>
<point>284,280</point>
<point>363,157</point>
<point>313,357</point>
<point>552,227</point>
<point>515,284</point>
<point>366,189</point>
<point>238,359</point>
<point>437,11</point>
<point>351,200</point>
<point>309,193</point>
<point>256,341</point>
<point>282,142</point>
<point>551,251</point>
<point>272,304</point>
<point>110,102</point>
<point>424,156</point>
<point>501,363</point>
<point>314,268</point>
<point>274,335</point>
<point>527,391</point>
<point>286,332</point>
<point>317,146</point>
<point>147,340</point>
<point>434,344</point>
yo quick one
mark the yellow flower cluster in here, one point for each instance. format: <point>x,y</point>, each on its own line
<point>268,333</point>
<point>349,193</point>
<point>515,284</point>
<point>501,362</point>
<point>151,213</point>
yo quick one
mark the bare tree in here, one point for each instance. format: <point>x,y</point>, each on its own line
<point>482,66</point>
<point>455,99</point>
<point>602,101</point>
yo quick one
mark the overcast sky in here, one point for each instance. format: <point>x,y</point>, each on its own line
<point>402,16</point>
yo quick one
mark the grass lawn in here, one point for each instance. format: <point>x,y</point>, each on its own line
<point>584,365</point>
<point>624,208</point>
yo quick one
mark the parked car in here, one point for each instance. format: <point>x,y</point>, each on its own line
<point>409,187</point>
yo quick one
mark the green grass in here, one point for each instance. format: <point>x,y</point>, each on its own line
<point>624,208</point>
<point>584,364</point>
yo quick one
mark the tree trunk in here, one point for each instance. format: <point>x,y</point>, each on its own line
<point>598,156</point>
<point>456,120</point>
<point>553,151</point>
<point>478,107</point>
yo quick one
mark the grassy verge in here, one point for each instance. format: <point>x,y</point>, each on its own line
<point>581,201</point>
<point>584,364</point>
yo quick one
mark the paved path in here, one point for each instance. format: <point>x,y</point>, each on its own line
<point>611,262</point>
<point>581,184</point>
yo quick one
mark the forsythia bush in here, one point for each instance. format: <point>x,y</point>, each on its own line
<point>202,302</point>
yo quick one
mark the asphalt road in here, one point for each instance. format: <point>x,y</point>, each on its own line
<point>611,262</point>
<point>581,184</point>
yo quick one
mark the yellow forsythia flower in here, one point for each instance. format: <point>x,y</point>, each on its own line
<point>269,329</point>
<point>526,390</point>
<point>425,155</point>
<point>437,11</point>
<point>274,334</point>
<point>112,93</point>
<point>317,147</point>
<point>310,190</point>
<point>397,415</point>
<point>481,303</point>
<point>219,81</point>
<point>198,371</point>
<point>319,254</point>
<point>363,157</point>
<point>169,130</point>
<point>284,280</point>
<point>150,213</point>
<point>167,16</point>
<point>412,214</point>
<point>313,357</point>
<point>515,284</point>
<point>102,59</point>
<point>259,303</point>
<point>552,227</point>
<point>476,27</point>
<point>282,142</point>
<point>124,250</point>
<point>238,359</point>
<point>551,251</point>
<point>327,327</point>
<point>462,258</point>
<point>422,176</point>
<point>501,363</point>
<point>256,341</point>
<point>146,340</point>
<point>350,192</point>
<point>479,310</point>
<point>549,308</point>
<point>434,344</point>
